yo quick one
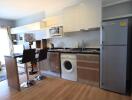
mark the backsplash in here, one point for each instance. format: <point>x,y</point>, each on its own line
<point>77,40</point>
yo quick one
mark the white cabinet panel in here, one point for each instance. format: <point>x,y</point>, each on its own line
<point>54,21</point>
<point>19,29</point>
<point>89,14</point>
<point>84,15</point>
<point>70,19</point>
<point>37,28</point>
<point>29,27</point>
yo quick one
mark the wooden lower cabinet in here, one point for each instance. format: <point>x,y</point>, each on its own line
<point>54,61</point>
<point>44,64</point>
<point>88,68</point>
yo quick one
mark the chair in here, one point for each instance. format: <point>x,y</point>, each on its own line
<point>29,56</point>
<point>42,56</point>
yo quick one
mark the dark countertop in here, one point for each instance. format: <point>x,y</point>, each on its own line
<point>15,55</point>
<point>76,50</point>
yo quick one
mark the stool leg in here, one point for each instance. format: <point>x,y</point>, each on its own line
<point>40,76</point>
<point>26,69</point>
<point>39,68</point>
<point>29,82</point>
<point>32,70</point>
<point>25,84</point>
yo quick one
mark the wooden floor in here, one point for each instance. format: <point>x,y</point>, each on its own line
<point>58,89</point>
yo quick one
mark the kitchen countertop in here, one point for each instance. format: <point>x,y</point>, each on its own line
<point>15,55</point>
<point>76,50</point>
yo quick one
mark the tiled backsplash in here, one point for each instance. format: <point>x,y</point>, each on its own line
<point>77,40</point>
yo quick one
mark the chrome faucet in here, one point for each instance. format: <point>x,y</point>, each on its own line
<point>83,45</point>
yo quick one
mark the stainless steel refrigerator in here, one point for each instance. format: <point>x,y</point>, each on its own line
<point>115,55</point>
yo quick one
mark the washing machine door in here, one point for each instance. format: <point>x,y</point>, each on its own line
<point>68,66</point>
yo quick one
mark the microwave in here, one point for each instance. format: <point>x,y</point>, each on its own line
<point>56,31</point>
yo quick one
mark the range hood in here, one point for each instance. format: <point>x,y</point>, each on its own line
<point>33,27</point>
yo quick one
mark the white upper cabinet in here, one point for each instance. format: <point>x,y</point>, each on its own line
<point>82,16</point>
<point>89,13</point>
<point>54,21</point>
<point>16,30</point>
<point>29,27</point>
<point>85,15</point>
<point>38,29</point>
<point>70,19</point>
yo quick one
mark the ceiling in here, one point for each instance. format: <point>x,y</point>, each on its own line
<point>16,9</point>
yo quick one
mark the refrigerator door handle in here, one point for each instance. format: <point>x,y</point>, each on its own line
<point>102,42</point>
<point>102,27</point>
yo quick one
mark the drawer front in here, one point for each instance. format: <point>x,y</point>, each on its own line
<point>88,64</point>
<point>88,57</point>
<point>88,74</point>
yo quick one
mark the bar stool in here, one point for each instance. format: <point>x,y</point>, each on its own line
<point>42,56</point>
<point>28,56</point>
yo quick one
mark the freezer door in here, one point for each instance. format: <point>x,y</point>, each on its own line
<point>115,32</point>
<point>113,68</point>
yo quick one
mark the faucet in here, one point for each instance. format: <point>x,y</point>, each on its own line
<point>83,45</point>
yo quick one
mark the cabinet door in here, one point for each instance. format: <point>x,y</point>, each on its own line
<point>19,29</point>
<point>54,61</point>
<point>70,19</point>
<point>84,15</point>
<point>44,65</point>
<point>54,21</point>
<point>88,68</point>
<point>88,75</point>
<point>89,14</point>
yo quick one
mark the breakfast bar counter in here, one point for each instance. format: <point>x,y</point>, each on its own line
<point>12,71</point>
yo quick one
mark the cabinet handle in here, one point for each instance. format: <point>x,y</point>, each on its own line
<point>90,29</point>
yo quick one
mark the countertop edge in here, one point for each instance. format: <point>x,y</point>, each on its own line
<point>75,52</point>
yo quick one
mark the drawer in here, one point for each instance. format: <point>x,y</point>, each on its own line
<point>88,57</point>
<point>88,64</point>
<point>88,74</point>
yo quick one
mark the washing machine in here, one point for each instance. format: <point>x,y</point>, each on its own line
<point>69,66</point>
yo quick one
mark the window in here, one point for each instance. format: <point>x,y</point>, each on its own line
<point>4,44</point>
